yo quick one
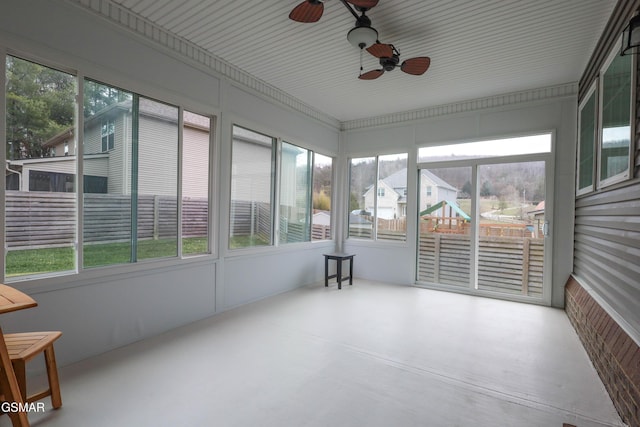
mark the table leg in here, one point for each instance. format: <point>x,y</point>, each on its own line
<point>351,271</point>
<point>326,271</point>
<point>339,274</point>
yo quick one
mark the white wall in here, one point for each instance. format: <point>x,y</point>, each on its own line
<point>395,262</point>
<point>100,309</point>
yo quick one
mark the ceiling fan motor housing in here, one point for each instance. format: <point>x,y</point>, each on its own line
<point>389,64</point>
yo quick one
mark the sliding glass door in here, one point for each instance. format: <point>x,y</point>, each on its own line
<point>483,220</point>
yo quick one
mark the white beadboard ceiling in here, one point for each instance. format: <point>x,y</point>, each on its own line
<point>478,48</point>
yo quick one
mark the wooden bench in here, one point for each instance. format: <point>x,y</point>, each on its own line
<point>22,347</point>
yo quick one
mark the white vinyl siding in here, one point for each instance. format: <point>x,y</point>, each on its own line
<point>158,157</point>
<point>196,156</point>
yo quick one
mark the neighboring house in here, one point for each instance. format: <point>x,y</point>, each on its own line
<point>252,169</point>
<point>537,217</point>
<point>321,218</point>
<point>392,194</point>
<point>107,154</point>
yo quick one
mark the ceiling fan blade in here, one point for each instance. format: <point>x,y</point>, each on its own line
<point>380,50</point>
<point>307,11</point>
<point>416,66</point>
<point>370,75</point>
<point>365,4</point>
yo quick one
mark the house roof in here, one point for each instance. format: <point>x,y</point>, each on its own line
<point>453,206</point>
<point>60,137</point>
<point>437,181</point>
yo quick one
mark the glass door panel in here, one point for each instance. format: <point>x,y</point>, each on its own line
<point>510,232</point>
<point>444,244</point>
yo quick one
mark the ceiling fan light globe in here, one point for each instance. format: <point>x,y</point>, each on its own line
<point>362,37</point>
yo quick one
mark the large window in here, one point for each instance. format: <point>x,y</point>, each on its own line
<point>252,184</point>
<point>40,210</point>
<point>615,113</point>
<point>301,204</point>
<point>130,175</point>
<point>377,197</point>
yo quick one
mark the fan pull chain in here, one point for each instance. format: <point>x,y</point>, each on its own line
<point>361,67</point>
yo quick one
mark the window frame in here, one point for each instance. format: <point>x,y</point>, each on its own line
<point>592,92</point>
<point>75,76</point>
<point>275,194</point>
<point>625,175</point>
<point>375,191</point>
<point>273,200</point>
<point>80,272</point>
<point>331,198</point>
<point>108,138</point>
<point>308,195</point>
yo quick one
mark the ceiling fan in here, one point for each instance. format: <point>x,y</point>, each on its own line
<point>363,35</point>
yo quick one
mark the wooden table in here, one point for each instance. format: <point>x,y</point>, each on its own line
<point>338,257</point>
<point>12,299</point>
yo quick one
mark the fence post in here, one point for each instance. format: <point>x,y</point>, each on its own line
<point>436,259</point>
<point>252,216</point>
<point>526,243</point>
<point>156,214</point>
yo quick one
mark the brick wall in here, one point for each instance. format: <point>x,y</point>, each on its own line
<point>614,354</point>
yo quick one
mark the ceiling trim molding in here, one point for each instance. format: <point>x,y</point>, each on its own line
<point>127,19</point>
<point>508,99</point>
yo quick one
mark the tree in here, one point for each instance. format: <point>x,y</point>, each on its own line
<point>40,104</point>
<point>321,201</point>
<point>98,96</point>
<point>486,190</point>
<point>466,188</point>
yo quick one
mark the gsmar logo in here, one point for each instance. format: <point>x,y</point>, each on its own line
<point>7,407</point>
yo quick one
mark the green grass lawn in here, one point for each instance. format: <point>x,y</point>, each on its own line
<point>52,260</point>
<point>34,261</point>
<point>487,205</point>
<point>238,242</point>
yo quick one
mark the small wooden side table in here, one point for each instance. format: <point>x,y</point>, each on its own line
<point>339,258</point>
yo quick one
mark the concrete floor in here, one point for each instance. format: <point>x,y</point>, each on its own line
<point>368,355</point>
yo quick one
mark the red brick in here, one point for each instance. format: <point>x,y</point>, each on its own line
<point>611,340</point>
<point>619,343</point>
<point>611,324</point>
<point>602,321</point>
<point>626,346</point>
<point>614,329</point>
<point>631,356</point>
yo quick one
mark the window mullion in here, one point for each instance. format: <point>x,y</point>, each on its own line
<point>79,146</point>
<point>3,157</point>
<point>276,163</point>
<point>374,230</point>
<point>179,180</point>
<point>135,133</point>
